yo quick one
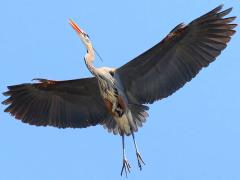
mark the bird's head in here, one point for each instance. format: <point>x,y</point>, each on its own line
<point>83,35</point>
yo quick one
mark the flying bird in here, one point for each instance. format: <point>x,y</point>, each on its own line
<point>116,98</point>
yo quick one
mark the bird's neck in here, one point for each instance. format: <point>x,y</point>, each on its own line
<point>89,58</point>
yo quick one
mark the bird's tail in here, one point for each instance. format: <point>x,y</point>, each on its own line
<point>139,114</point>
<point>136,116</point>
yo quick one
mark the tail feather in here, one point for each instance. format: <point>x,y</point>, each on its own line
<point>139,116</point>
<point>139,113</point>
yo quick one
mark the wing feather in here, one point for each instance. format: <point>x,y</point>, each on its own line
<point>73,103</point>
<point>166,67</point>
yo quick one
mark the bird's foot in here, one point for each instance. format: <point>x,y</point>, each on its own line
<point>140,160</point>
<point>125,167</point>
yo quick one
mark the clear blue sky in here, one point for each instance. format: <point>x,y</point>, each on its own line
<point>194,134</point>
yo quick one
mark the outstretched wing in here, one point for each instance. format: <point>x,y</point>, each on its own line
<point>73,103</point>
<point>167,66</point>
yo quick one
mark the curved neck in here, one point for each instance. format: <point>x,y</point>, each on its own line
<point>89,58</point>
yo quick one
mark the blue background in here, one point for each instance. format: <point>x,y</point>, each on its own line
<point>194,134</point>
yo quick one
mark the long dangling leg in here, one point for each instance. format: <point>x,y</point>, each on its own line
<point>126,166</point>
<point>139,158</point>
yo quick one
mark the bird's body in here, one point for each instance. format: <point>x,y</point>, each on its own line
<point>112,94</point>
<point>116,97</point>
<point>115,101</point>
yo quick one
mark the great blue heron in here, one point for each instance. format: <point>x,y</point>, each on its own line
<point>115,97</point>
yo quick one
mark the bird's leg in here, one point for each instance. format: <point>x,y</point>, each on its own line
<point>126,166</point>
<point>139,158</point>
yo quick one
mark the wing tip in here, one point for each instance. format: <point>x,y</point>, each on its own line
<point>8,109</point>
<point>6,102</point>
<point>6,93</point>
<point>216,9</point>
<point>220,6</point>
<point>225,12</point>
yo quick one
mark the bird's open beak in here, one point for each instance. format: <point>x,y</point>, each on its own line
<point>75,26</point>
